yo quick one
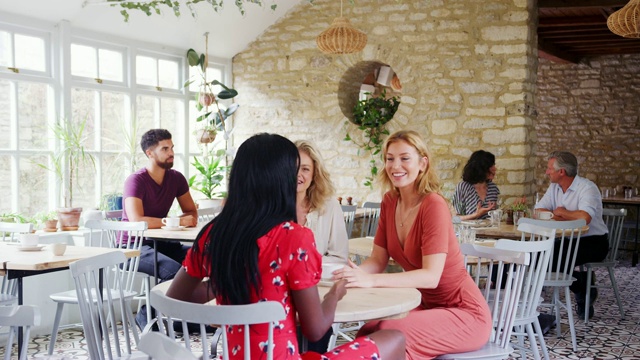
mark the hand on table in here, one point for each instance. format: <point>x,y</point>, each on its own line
<point>354,276</point>
<point>482,211</point>
<point>338,289</point>
<point>188,221</point>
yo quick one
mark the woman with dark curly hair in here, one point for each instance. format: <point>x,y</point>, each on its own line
<point>476,194</point>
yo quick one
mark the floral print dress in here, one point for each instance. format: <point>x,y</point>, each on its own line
<point>287,260</point>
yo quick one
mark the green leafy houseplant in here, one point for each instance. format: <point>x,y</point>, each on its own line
<point>371,116</point>
<point>211,174</point>
<point>214,120</point>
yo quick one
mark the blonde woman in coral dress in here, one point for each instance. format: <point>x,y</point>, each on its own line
<point>415,229</point>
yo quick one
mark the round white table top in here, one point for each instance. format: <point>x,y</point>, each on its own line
<point>363,304</point>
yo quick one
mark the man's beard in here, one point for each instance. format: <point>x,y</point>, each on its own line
<point>165,165</point>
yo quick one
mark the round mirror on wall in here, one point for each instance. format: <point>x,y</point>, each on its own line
<point>378,98</point>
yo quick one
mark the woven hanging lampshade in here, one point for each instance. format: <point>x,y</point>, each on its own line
<point>626,21</point>
<point>341,37</point>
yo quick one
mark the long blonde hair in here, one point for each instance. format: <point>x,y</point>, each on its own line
<point>321,188</point>
<point>427,180</point>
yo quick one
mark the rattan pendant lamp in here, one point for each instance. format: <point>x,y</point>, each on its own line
<point>341,37</point>
<point>626,21</point>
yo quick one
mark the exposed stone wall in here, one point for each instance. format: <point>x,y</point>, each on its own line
<point>467,67</point>
<point>591,109</point>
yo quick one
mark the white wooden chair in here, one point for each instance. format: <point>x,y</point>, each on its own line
<point>349,212</point>
<point>370,218</point>
<point>161,347</point>
<point>560,274</point>
<point>526,320</point>
<point>105,233</point>
<point>8,288</point>
<point>614,218</point>
<point>270,312</point>
<point>113,215</point>
<point>14,317</point>
<point>503,300</point>
<point>207,214</point>
<point>107,319</point>
<point>9,231</point>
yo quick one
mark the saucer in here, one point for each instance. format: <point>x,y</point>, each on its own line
<point>31,248</point>
<point>173,228</point>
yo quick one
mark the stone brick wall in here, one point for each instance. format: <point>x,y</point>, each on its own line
<point>467,67</point>
<point>592,110</point>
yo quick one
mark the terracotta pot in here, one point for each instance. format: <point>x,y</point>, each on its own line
<point>51,225</point>
<point>206,136</point>
<point>69,218</point>
<point>206,99</point>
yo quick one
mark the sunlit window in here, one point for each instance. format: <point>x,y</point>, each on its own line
<point>158,72</point>
<point>97,62</point>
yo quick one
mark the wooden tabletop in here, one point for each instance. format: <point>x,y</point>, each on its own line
<point>505,231</point>
<point>11,258</point>
<point>361,246</point>
<point>621,200</point>
<point>363,304</point>
<point>185,234</point>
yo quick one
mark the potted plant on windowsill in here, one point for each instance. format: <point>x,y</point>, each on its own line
<point>48,221</point>
<point>209,178</point>
<point>371,116</point>
<point>66,161</point>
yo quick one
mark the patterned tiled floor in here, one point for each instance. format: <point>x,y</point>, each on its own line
<point>605,337</point>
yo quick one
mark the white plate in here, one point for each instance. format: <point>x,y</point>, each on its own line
<point>173,228</point>
<point>31,248</point>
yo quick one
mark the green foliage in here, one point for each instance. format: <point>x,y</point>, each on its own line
<point>14,217</point>
<point>70,156</point>
<point>156,6</point>
<point>211,174</point>
<point>371,116</point>
<point>43,216</point>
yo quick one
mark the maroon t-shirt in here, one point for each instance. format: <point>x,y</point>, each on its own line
<point>156,199</point>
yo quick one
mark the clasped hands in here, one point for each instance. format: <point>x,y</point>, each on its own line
<point>354,276</point>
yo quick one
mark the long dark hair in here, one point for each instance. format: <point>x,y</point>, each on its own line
<point>477,168</point>
<point>262,194</point>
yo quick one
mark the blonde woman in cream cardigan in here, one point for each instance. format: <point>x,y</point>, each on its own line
<point>317,208</point>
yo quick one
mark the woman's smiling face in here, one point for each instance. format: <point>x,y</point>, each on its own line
<point>305,172</point>
<point>403,164</point>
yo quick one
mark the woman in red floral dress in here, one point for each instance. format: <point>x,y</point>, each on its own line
<point>254,251</point>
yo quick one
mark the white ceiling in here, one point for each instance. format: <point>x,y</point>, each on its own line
<point>229,31</point>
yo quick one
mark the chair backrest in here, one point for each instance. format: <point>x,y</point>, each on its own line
<point>119,234</point>
<point>567,235</point>
<point>349,212</point>
<point>14,317</point>
<point>370,218</point>
<point>221,315</point>
<point>540,257</point>
<point>9,231</point>
<point>113,215</point>
<point>207,214</point>
<point>161,347</point>
<point>614,219</point>
<point>502,298</point>
<point>105,318</point>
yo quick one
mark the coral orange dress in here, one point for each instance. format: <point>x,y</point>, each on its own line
<point>453,317</point>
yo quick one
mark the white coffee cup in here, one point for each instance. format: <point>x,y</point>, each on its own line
<point>29,240</point>
<point>58,249</point>
<point>171,222</point>
<point>545,215</point>
<point>329,268</point>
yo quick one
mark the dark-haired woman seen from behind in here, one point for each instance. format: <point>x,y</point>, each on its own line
<point>255,251</point>
<point>476,194</point>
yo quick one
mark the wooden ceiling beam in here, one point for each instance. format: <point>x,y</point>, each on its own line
<point>555,53</point>
<point>580,3</point>
<point>593,39</point>
<point>571,21</point>
<point>571,30</point>
<point>578,34</point>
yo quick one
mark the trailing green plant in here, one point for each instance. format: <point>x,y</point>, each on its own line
<point>215,119</point>
<point>71,155</point>
<point>156,6</point>
<point>211,173</point>
<point>371,115</point>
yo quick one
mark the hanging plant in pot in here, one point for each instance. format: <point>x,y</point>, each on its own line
<point>214,119</point>
<point>371,115</point>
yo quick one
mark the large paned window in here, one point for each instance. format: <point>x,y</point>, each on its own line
<point>117,90</point>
